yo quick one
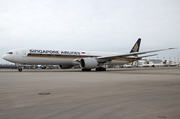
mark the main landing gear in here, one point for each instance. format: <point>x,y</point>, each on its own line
<point>86,69</point>
<point>97,69</point>
<point>100,69</point>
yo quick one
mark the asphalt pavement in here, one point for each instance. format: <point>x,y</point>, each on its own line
<point>124,93</point>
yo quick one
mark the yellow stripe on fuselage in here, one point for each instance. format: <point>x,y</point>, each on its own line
<point>57,56</point>
<point>75,57</point>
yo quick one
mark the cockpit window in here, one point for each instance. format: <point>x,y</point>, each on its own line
<point>9,53</point>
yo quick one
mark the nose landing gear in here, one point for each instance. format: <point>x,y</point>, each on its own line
<point>20,69</point>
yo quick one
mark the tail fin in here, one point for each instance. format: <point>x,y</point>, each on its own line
<point>165,62</point>
<point>136,46</point>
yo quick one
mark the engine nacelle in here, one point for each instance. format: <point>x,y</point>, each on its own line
<point>65,66</point>
<point>88,63</point>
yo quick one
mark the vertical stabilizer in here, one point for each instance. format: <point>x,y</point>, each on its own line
<point>136,46</point>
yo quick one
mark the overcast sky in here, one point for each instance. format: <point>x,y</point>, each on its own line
<point>93,25</point>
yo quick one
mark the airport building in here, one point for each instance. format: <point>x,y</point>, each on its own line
<point>8,67</point>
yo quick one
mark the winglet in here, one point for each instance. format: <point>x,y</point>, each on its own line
<point>136,46</point>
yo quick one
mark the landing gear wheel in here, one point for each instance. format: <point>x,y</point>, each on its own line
<point>20,69</point>
<point>86,69</point>
<point>100,69</point>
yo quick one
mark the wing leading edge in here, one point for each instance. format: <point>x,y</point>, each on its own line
<point>131,54</point>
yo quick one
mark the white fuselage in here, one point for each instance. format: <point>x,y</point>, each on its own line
<point>55,57</point>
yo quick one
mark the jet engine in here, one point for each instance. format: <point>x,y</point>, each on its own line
<point>88,63</point>
<point>65,66</point>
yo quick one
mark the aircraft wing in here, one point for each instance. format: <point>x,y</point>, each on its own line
<point>148,55</point>
<point>130,54</point>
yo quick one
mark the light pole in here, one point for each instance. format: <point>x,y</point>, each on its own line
<point>169,60</point>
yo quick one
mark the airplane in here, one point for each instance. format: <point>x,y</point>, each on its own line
<point>66,59</point>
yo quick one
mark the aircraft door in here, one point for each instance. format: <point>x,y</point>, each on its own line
<point>52,55</point>
<point>24,54</point>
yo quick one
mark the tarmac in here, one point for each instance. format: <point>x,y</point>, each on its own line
<point>122,93</point>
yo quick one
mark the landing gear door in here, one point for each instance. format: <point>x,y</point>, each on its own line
<point>24,54</point>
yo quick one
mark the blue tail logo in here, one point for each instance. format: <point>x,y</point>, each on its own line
<point>136,46</point>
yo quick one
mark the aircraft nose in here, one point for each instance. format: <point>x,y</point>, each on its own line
<point>4,57</point>
<point>7,57</point>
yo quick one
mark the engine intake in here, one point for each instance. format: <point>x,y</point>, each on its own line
<point>88,63</point>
